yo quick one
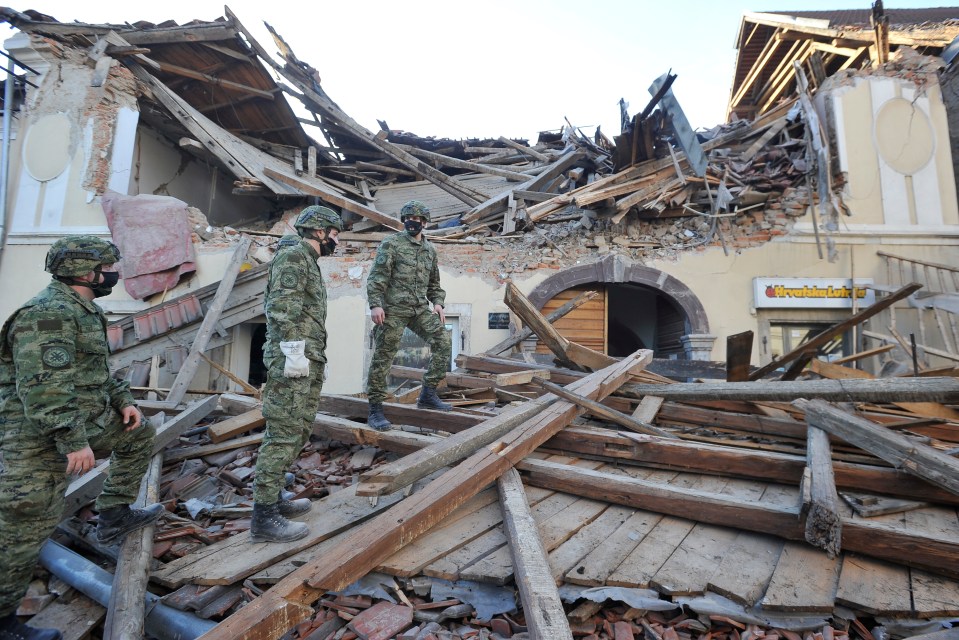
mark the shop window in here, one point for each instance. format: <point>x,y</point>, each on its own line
<point>785,337</point>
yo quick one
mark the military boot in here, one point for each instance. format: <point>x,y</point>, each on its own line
<point>269,526</point>
<point>376,419</point>
<point>429,400</point>
<point>118,521</point>
<point>12,629</point>
<point>287,506</point>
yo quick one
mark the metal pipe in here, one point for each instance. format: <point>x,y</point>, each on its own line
<point>162,621</point>
<point>5,151</point>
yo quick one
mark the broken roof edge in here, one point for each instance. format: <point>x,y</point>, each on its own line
<point>23,21</point>
<point>825,28</point>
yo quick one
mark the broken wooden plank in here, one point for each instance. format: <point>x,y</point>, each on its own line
<point>827,334</point>
<point>498,202</point>
<point>175,455</point>
<point>603,411</point>
<point>739,351</point>
<point>210,318</point>
<point>904,453</point>
<point>314,187</point>
<point>544,613</point>
<point>392,476</point>
<point>475,167</point>
<point>287,603</point>
<point>564,349</point>
<point>940,389</point>
<point>553,316</point>
<point>820,502</point>
<point>235,425</point>
<point>805,580</point>
<point>874,586</point>
<point>126,611</point>
<point>350,407</point>
<point>75,617</point>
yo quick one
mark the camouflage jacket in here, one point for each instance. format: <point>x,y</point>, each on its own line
<point>405,273</point>
<point>295,302</point>
<point>53,352</point>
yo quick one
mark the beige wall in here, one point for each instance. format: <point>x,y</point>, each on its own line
<point>163,169</point>
<point>893,145</point>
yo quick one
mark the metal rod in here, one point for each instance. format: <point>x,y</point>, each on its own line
<point>915,358</point>
<point>5,153</point>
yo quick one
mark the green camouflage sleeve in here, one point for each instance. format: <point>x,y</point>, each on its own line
<point>380,274</point>
<point>434,292</point>
<point>284,306</point>
<point>119,391</point>
<point>44,354</point>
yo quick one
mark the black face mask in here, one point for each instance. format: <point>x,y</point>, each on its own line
<point>413,226</point>
<point>105,288</point>
<point>327,247</point>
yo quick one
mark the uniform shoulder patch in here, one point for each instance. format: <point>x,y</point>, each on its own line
<point>288,279</point>
<point>56,357</point>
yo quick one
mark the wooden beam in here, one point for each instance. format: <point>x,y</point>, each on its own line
<point>739,351</point>
<point>552,317</point>
<point>351,407</point>
<point>395,475</point>
<point>906,453</point>
<point>202,77</point>
<point>880,540</point>
<point>126,611</point>
<point>838,328</point>
<point>492,205</point>
<point>941,389</point>
<point>563,348</point>
<point>819,509</point>
<point>533,153</point>
<point>475,167</point>
<point>210,319</point>
<point>314,188</point>
<point>603,411</point>
<point>542,606</point>
<point>288,602</point>
<point>183,453</point>
<point>768,466</point>
<point>863,354</point>
<point>928,409</point>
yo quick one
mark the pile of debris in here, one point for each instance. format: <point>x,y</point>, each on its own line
<point>663,509</point>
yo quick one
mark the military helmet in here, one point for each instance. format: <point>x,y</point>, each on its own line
<point>415,208</point>
<point>74,256</point>
<point>317,217</point>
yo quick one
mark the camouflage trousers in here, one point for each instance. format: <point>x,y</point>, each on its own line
<point>33,484</point>
<point>289,406</point>
<point>387,342</point>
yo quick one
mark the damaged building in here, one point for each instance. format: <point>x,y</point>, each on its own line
<point>605,298</point>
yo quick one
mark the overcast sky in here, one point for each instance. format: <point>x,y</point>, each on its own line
<point>488,68</point>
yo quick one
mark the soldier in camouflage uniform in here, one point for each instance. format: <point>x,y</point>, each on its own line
<point>58,403</point>
<point>295,358</point>
<point>403,284</point>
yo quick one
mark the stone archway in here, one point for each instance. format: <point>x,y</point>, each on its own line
<point>616,269</point>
